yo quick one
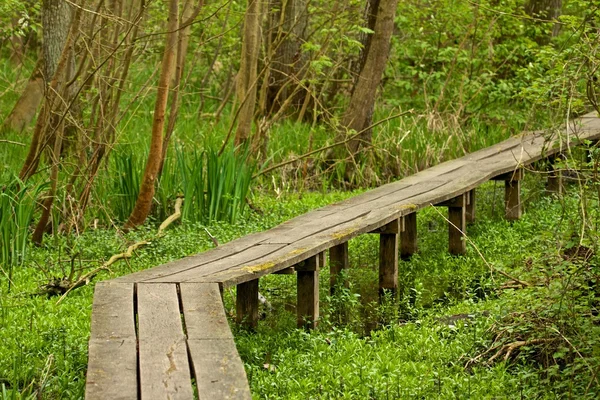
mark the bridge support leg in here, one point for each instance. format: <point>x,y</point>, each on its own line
<point>308,292</point>
<point>512,193</point>
<point>470,210</point>
<point>457,225</point>
<point>247,304</point>
<point>408,236</point>
<point>555,182</point>
<point>338,261</point>
<point>388,258</point>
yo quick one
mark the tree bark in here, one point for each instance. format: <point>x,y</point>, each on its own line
<point>360,109</point>
<point>56,20</point>
<point>26,107</point>
<point>248,73</point>
<point>188,14</point>
<point>548,10</point>
<point>288,24</point>
<point>144,201</point>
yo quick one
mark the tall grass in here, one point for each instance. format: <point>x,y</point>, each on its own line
<point>214,187</point>
<point>17,205</point>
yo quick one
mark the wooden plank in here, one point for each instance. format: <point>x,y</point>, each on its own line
<point>112,351</point>
<point>163,357</point>
<point>388,264</point>
<point>308,293</point>
<point>218,369</point>
<point>196,261</point>
<point>457,225</point>
<point>112,370</point>
<point>247,304</point>
<point>470,210</point>
<point>203,311</point>
<point>256,252</point>
<point>408,236</point>
<point>338,261</point>
<point>112,311</point>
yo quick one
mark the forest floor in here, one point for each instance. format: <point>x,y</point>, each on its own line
<point>459,328</point>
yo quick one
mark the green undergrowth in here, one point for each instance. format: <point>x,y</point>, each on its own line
<point>449,333</point>
<point>436,341</point>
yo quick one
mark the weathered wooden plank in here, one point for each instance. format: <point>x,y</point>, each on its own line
<point>112,352</point>
<point>457,225</point>
<point>388,264</point>
<point>218,369</point>
<point>408,236</point>
<point>163,357</point>
<point>112,311</point>
<point>308,293</point>
<point>256,252</point>
<point>338,261</point>
<point>247,304</point>
<point>193,262</point>
<point>203,311</point>
<point>112,369</point>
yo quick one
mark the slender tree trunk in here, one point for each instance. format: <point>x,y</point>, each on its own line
<point>188,14</point>
<point>144,201</point>
<point>287,34</point>
<point>548,10</point>
<point>26,107</point>
<point>248,74</point>
<point>56,20</point>
<point>360,109</point>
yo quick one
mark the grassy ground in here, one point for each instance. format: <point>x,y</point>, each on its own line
<point>424,346</point>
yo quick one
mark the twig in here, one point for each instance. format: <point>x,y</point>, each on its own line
<point>87,278</point>
<point>11,142</point>
<point>507,349</point>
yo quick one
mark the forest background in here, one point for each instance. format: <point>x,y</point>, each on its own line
<point>113,110</point>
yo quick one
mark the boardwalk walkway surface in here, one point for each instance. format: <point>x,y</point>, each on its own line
<point>157,331</point>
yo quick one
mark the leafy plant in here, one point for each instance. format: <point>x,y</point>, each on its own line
<point>18,202</point>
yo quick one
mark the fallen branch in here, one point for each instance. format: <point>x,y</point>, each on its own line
<point>87,278</point>
<point>507,349</point>
<point>11,142</point>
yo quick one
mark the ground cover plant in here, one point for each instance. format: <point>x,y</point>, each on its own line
<point>247,117</point>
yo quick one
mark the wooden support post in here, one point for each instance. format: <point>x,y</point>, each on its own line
<point>408,236</point>
<point>308,292</point>
<point>388,258</point>
<point>247,304</point>
<point>470,211</point>
<point>555,182</point>
<point>338,261</point>
<point>457,224</point>
<point>512,193</point>
<point>322,259</point>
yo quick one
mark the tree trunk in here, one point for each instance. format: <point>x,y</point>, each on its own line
<point>144,201</point>
<point>56,20</point>
<point>248,73</point>
<point>24,110</point>
<point>288,24</point>
<point>188,14</point>
<point>360,109</point>
<point>548,10</point>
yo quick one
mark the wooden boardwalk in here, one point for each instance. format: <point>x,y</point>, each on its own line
<point>157,331</point>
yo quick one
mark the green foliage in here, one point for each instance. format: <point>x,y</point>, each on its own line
<point>18,201</point>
